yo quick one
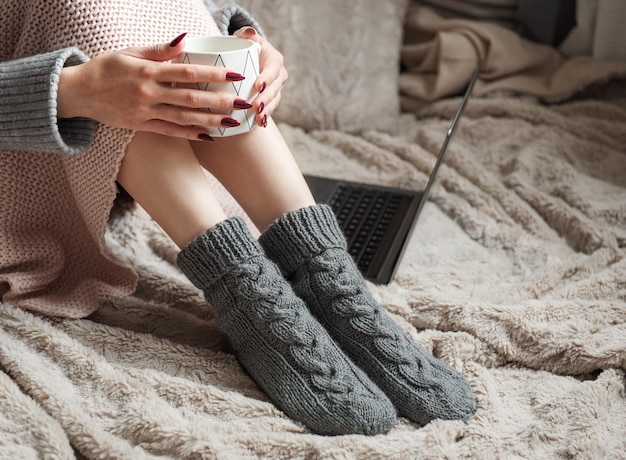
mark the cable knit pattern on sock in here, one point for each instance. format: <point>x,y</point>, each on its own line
<point>283,348</point>
<point>308,246</point>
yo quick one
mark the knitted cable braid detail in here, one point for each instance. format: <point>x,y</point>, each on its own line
<point>353,302</point>
<point>286,324</point>
<point>275,338</point>
<point>308,246</point>
<point>358,312</point>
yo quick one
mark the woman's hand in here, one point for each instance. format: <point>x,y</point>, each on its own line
<point>272,78</point>
<point>133,89</point>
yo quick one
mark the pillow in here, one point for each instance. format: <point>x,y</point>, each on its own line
<point>343,59</point>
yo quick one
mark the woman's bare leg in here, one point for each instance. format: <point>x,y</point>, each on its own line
<point>163,175</point>
<point>258,169</point>
<point>279,343</point>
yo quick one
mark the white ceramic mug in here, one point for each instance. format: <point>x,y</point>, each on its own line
<point>237,54</point>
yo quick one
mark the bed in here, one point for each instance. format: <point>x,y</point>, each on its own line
<point>515,274</point>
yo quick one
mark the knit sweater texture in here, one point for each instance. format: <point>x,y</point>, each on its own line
<point>57,177</point>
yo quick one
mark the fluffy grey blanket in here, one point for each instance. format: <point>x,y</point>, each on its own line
<point>516,275</point>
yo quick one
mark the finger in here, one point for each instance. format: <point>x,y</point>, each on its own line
<point>195,73</point>
<point>248,32</point>
<point>166,128</point>
<point>181,73</point>
<point>193,98</point>
<point>272,69</point>
<point>268,110</point>
<point>188,117</point>
<point>160,52</point>
<point>271,92</point>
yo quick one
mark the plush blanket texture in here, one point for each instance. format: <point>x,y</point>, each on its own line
<point>515,274</point>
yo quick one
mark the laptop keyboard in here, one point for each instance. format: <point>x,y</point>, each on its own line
<point>364,215</point>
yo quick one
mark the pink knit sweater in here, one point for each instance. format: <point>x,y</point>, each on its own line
<point>53,258</point>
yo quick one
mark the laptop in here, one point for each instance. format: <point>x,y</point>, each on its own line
<point>377,220</point>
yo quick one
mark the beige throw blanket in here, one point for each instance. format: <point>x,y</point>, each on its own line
<point>515,275</point>
<point>440,54</point>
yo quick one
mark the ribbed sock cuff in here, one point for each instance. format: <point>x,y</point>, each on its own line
<point>216,251</point>
<point>299,235</point>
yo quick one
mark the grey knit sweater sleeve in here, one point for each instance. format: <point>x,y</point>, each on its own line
<point>28,106</point>
<point>28,95</point>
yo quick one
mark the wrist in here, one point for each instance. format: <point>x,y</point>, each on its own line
<point>66,93</point>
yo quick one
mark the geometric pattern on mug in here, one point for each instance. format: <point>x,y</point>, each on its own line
<point>248,70</point>
<point>248,66</point>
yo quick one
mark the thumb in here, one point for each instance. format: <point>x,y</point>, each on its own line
<point>162,51</point>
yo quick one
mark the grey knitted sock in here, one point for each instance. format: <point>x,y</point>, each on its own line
<point>277,341</point>
<point>310,248</point>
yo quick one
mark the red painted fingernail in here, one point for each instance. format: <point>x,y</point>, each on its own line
<point>229,122</point>
<point>261,107</point>
<point>233,76</point>
<point>177,40</point>
<point>264,124</point>
<point>262,87</point>
<point>241,104</point>
<point>205,137</point>
<point>252,30</point>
